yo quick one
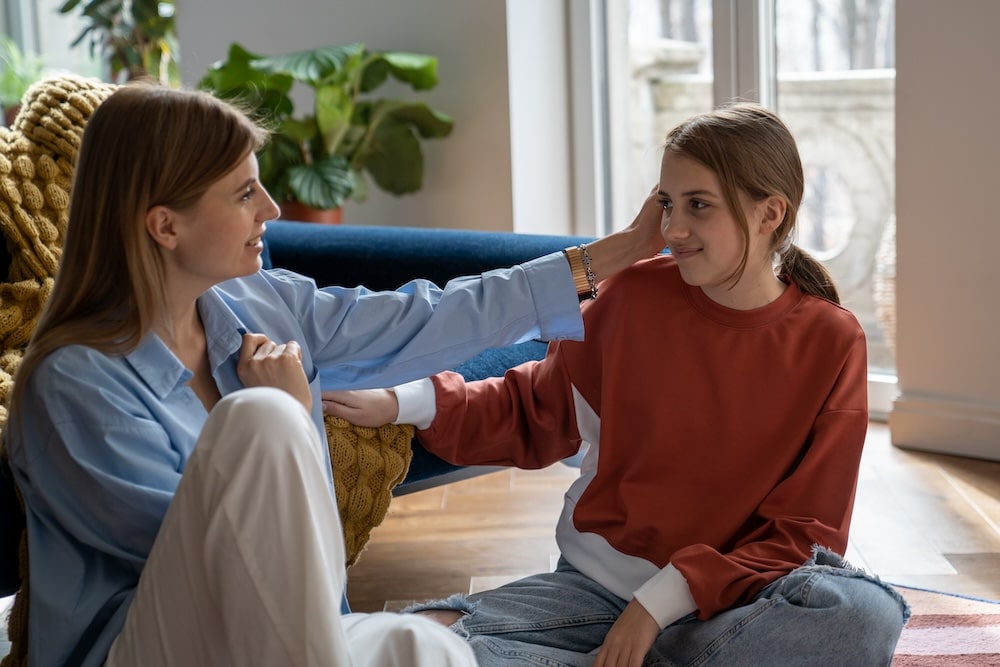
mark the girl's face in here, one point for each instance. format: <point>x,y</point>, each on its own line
<point>221,236</point>
<point>705,238</point>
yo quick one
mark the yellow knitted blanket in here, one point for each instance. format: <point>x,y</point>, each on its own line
<point>37,157</point>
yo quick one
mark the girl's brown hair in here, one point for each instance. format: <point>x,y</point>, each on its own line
<point>145,145</point>
<point>752,151</point>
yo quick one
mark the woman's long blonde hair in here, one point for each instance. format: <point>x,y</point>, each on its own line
<point>145,145</point>
<point>751,150</point>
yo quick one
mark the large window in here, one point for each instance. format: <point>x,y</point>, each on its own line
<point>827,66</point>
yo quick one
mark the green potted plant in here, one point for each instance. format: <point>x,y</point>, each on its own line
<point>17,72</point>
<point>136,36</point>
<point>321,158</point>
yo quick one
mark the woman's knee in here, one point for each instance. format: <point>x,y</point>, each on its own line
<point>259,418</point>
<point>405,639</point>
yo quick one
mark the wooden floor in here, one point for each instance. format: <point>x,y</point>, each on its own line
<point>923,520</point>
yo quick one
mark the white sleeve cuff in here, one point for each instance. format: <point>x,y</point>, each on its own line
<point>666,596</point>
<point>417,404</point>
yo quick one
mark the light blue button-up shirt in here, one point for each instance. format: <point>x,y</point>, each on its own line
<point>101,441</point>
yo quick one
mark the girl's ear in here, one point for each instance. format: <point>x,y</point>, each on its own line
<point>161,227</point>
<point>773,213</point>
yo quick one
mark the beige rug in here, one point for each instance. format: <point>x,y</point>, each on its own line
<point>948,630</point>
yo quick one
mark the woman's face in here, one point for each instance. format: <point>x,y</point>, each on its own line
<point>704,235</point>
<point>221,237</point>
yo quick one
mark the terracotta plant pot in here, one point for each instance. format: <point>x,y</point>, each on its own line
<point>297,211</point>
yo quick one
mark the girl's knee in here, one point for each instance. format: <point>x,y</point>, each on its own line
<point>867,609</point>
<point>863,592</point>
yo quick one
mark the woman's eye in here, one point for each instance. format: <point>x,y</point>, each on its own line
<point>248,194</point>
<point>698,205</point>
<point>667,204</point>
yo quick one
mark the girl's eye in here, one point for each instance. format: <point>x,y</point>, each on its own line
<point>248,194</point>
<point>698,205</point>
<point>667,204</point>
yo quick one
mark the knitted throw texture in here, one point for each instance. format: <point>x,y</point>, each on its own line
<point>37,157</point>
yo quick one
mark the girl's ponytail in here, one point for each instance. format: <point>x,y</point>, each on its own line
<point>808,274</point>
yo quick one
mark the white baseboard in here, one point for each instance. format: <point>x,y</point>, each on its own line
<point>946,426</point>
<point>882,391</point>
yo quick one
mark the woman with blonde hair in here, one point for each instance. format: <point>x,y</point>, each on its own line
<point>165,427</point>
<point>721,398</point>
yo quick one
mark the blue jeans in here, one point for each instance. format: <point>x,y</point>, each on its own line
<point>822,613</point>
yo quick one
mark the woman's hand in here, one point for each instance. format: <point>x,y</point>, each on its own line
<point>364,407</point>
<point>641,239</point>
<point>264,363</point>
<point>629,639</point>
<point>648,223</point>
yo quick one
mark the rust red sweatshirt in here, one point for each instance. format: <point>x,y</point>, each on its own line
<point>721,444</point>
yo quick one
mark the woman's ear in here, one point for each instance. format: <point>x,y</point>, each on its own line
<point>160,225</point>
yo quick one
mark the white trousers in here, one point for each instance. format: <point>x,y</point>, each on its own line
<point>248,566</point>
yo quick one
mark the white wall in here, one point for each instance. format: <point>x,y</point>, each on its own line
<point>468,181</point>
<point>948,228</point>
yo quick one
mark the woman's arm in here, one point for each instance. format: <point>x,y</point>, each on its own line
<point>362,339</point>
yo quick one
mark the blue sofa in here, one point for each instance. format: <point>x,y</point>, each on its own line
<point>383,258</point>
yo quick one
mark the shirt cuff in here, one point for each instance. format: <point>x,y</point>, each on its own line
<point>666,596</point>
<point>416,402</point>
<point>553,291</point>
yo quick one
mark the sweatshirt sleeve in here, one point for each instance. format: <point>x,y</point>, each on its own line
<point>811,506</point>
<point>666,596</point>
<point>524,419</point>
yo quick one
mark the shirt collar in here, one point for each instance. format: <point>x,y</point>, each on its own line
<point>223,329</point>
<point>162,371</point>
<point>157,366</point>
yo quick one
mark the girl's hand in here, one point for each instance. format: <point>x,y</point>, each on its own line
<point>629,639</point>
<point>364,407</point>
<point>264,363</point>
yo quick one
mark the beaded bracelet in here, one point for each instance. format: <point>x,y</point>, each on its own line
<point>591,278</point>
